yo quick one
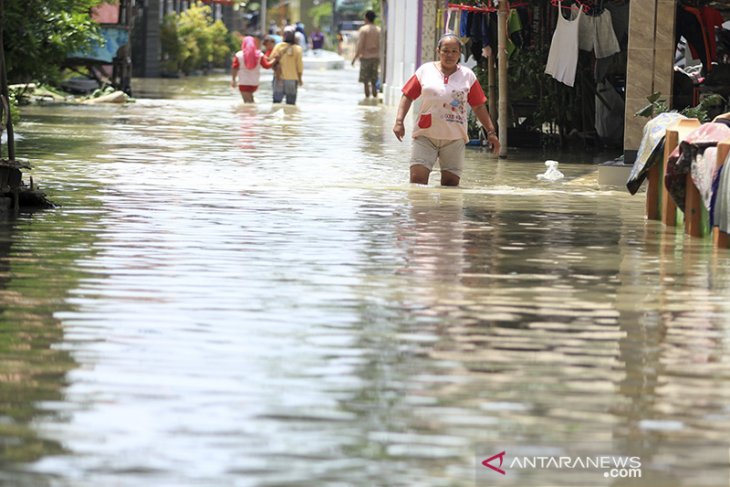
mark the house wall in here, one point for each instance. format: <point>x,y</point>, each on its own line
<point>411,34</point>
<point>403,20</point>
<point>429,34</point>
<point>650,63</point>
<point>106,13</point>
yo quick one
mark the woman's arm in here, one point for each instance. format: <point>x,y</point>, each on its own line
<point>398,128</point>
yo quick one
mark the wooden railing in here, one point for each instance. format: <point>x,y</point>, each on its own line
<point>659,204</point>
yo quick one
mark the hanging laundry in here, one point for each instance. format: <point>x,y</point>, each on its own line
<point>596,34</point>
<point>620,21</point>
<point>478,33</point>
<point>453,19</point>
<point>711,18</point>
<point>514,32</point>
<point>562,60</point>
<point>464,25</point>
<point>689,25</point>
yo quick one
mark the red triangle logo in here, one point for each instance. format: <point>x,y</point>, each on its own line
<point>487,463</point>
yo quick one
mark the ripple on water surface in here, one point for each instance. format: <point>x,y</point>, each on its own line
<point>253,295</point>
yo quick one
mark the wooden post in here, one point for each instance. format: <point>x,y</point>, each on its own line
<point>669,209</point>
<point>692,209</point>
<point>502,15</point>
<point>719,238</point>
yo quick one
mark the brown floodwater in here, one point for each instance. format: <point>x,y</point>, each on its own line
<point>237,295</point>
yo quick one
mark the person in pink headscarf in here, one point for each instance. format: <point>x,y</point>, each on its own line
<point>246,68</point>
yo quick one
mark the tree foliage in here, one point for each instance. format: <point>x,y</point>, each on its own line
<point>39,34</point>
<point>320,12</point>
<point>191,40</point>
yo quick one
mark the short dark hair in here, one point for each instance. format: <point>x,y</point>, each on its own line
<point>450,36</point>
<point>370,15</point>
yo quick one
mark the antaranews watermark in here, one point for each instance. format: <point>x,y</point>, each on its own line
<point>597,465</point>
<point>612,466</point>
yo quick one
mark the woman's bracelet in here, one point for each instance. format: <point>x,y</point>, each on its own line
<point>491,132</point>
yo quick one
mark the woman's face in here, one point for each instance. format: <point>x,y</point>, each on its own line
<point>449,52</point>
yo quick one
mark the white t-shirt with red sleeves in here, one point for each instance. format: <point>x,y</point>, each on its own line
<point>443,113</point>
<point>248,77</point>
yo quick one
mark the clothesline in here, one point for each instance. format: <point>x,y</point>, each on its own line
<point>585,7</point>
<point>491,8</point>
<point>484,8</point>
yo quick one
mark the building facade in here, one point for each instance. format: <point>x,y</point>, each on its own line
<point>412,28</point>
<point>410,34</point>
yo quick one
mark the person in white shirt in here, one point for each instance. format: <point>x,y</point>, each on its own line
<point>445,88</point>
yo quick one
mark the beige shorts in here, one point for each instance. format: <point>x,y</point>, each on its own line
<point>450,154</point>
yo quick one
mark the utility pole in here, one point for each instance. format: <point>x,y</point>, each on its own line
<point>262,18</point>
<point>334,20</point>
<point>503,115</point>
<point>4,92</point>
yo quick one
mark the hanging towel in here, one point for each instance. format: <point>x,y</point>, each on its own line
<point>514,32</point>
<point>464,25</point>
<point>452,26</point>
<point>563,56</point>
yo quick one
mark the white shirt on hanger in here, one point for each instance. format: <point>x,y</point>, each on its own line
<point>563,56</point>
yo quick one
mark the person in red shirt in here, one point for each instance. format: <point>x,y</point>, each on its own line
<point>445,88</point>
<point>246,67</point>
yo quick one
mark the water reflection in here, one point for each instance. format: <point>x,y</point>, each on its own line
<point>255,295</point>
<point>36,253</point>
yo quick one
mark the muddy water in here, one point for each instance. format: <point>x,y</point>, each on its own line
<point>254,295</point>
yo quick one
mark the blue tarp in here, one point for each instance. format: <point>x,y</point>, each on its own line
<point>114,38</point>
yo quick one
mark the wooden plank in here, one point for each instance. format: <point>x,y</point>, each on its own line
<point>652,193</point>
<point>692,209</point>
<point>669,209</point>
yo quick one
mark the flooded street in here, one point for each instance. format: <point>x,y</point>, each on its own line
<point>237,295</point>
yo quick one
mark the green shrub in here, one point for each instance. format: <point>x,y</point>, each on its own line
<point>701,112</point>
<point>193,41</point>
